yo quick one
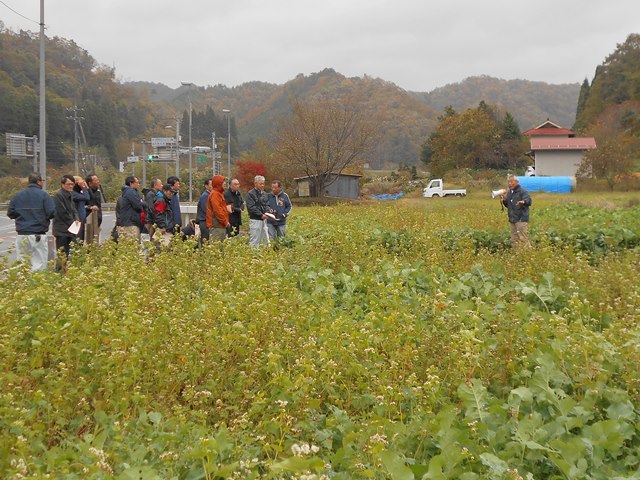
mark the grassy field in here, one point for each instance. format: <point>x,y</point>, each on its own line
<point>392,340</point>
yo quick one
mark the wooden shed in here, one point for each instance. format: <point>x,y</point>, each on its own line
<point>338,185</point>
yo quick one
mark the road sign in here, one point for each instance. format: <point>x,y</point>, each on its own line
<point>133,159</point>
<point>202,158</point>
<point>162,141</point>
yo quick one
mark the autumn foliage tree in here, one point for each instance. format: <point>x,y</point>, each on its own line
<point>616,132</point>
<point>476,138</point>
<point>324,136</point>
<point>246,170</point>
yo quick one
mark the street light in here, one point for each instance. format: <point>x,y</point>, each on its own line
<point>227,111</point>
<point>189,84</point>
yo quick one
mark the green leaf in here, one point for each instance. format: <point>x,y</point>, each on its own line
<point>475,399</point>
<point>139,473</point>
<point>155,417</point>
<point>495,464</point>
<point>291,464</point>
<point>395,466</point>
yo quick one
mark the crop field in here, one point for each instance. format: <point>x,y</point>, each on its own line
<point>394,340</point>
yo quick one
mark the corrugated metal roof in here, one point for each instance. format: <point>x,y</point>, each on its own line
<point>329,174</point>
<point>574,143</point>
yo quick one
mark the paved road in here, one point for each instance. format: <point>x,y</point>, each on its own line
<point>8,232</point>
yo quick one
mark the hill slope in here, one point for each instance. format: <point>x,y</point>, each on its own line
<point>529,102</point>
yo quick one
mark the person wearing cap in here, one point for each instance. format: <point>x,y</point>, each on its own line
<point>163,215</point>
<point>149,199</point>
<point>217,214</point>
<point>32,209</point>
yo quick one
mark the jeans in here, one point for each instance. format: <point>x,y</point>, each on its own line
<point>276,231</point>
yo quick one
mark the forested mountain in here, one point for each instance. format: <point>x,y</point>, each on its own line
<point>529,102</point>
<point>609,110</point>
<point>115,114</point>
<point>615,83</point>
<point>258,107</point>
<point>110,110</point>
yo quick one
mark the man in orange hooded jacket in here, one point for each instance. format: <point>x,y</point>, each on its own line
<point>217,214</point>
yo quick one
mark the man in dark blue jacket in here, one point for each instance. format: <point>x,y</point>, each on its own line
<point>175,201</point>
<point>280,207</point>
<point>201,212</point>
<point>128,217</point>
<point>32,209</point>
<point>517,200</point>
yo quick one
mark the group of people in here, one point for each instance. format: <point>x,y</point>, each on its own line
<point>76,212</point>
<point>73,208</point>
<point>218,214</point>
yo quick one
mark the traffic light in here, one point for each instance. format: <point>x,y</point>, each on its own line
<point>151,157</point>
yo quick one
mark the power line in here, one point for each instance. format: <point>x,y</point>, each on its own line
<point>18,13</point>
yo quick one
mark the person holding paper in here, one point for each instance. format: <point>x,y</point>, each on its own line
<point>280,208</point>
<point>66,221</point>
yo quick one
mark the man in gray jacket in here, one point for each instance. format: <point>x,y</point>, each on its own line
<point>32,209</point>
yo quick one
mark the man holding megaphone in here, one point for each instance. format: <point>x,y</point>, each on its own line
<point>517,200</point>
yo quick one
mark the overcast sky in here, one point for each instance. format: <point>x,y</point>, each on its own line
<point>417,44</point>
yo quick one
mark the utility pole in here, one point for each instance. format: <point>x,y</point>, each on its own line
<point>75,119</point>
<point>144,163</point>
<point>177,147</point>
<point>43,113</point>
<point>213,154</point>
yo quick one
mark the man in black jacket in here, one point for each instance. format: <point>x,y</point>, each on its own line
<point>32,209</point>
<point>235,206</point>
<point>517,200</point>
<point>66,215</point>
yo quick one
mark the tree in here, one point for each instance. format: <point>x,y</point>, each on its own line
<point>616,133</point>
<point>246,170</point>
<point>324,136</point>
<point>475,138</point>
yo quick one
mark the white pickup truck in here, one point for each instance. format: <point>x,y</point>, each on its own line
<point>435,189</point>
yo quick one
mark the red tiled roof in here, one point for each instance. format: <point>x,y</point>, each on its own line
<point>574,143</point>
<point>536,132</point>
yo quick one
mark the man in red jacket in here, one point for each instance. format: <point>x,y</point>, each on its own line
<point>217,214</point>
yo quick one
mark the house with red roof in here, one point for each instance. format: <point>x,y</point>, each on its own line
<point>556,150</point>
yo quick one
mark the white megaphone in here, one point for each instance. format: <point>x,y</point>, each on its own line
<point>498,193</point>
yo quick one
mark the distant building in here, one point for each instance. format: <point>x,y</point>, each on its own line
<point>339,185</point>
<point>556,150</point>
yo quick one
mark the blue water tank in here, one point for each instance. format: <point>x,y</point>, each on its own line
<point>548,184</point>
